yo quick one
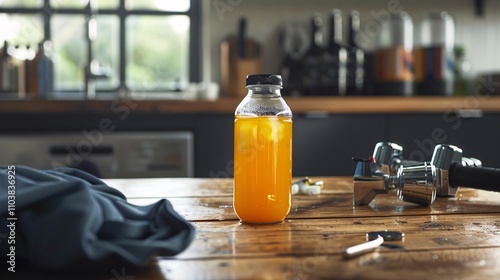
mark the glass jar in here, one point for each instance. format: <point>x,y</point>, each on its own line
<point>394,57</point>
<point>262,152</point>
<point>434,44</point>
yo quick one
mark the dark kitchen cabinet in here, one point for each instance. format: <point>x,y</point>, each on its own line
<point>213,152</point>
<point>325,144</point>
<point>477,136</point>
<point>12,123</point>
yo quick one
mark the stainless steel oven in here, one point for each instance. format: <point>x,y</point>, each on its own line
<point>114,155</point>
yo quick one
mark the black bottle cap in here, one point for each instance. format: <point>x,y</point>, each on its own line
<point>264,79</point>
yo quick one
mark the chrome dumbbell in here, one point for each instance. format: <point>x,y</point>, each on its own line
<point>389,157</point>
<point>412,184</point>
<point>420,183</point>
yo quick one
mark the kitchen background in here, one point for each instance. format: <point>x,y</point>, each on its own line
<point>127,136</point>
<point>478,34</point>
<point>157,54</point>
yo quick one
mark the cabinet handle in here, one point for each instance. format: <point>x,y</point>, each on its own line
<point>64,150</point>
<point>469,113</point>
<point>316,115</point>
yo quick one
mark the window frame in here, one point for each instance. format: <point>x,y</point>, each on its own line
<point>194,14</point>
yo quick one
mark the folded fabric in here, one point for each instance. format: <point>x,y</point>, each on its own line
<point>67,220</point>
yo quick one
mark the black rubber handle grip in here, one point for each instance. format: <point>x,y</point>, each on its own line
<point>485,178</point>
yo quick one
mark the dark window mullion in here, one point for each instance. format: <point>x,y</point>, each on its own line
<point>154,13</point>
<point>47,15</point>
<point>123,48</point>
<point>194,14</point>
<point>21,10</point>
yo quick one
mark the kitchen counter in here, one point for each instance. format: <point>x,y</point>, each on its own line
<point>342,127</point>
<point>334,105</point>
<point>454,238</point>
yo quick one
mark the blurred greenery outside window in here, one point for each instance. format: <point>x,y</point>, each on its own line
<point>145,45</point>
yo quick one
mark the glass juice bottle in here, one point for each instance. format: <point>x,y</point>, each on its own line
<point>262,152</point>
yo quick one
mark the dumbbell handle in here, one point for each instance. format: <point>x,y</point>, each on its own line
<point>484,178</point>
<point>407,162</point>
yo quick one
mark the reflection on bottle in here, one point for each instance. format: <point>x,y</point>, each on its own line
<point>5,69</point>
<point>245,241</point>
<point>294,41</point>
<point>335,56</point>
<point>434,70</point>
<point>39,67</point>
<point>313,59</point>
<point>394,63</point>
<point>462,72</point>
<point>355,57</point>
<point>45,70</point>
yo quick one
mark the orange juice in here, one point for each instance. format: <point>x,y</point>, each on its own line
<point>262,168</point>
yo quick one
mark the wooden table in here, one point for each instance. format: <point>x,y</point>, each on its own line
<point>454,238</point>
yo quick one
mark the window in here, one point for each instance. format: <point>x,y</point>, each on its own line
<point>136,45</point>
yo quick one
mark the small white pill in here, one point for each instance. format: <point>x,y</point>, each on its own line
<point>303,186</point>
<point>311,190</point>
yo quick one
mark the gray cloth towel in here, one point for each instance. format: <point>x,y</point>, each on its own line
<point>70,221</point>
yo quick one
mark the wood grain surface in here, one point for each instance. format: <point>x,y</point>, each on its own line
<point>226,105</point>
<point>455,238</point>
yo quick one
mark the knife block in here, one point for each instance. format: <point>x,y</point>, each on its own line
<point>234,69</point>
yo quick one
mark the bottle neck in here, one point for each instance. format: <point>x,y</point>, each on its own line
<point>335,28</point>
<point>354,26</point>
<point>316,34</point>
<point>267,91</point>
